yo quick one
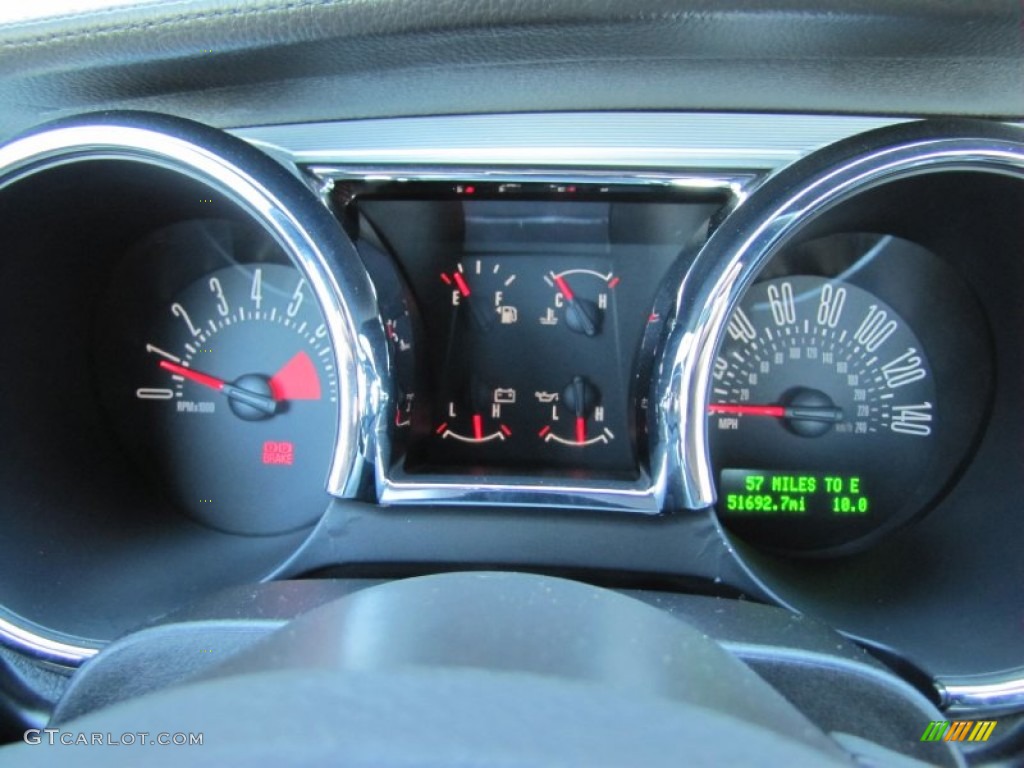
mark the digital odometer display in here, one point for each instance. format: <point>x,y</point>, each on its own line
<point>809,494</point>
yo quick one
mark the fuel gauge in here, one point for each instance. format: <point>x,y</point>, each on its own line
<point>480,286</point>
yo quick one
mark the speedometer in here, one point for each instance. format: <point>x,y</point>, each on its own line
<point>821,416</point>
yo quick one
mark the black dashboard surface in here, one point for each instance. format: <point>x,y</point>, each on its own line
<point>267,69</point>
<point>251,63</point>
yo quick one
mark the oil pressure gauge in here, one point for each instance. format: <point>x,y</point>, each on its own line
<point>577,417</point>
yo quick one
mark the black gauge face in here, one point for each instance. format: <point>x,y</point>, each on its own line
<point>534,362</point>
<point>230,398</point>
<point>536,323</point>
<point>827,418</point>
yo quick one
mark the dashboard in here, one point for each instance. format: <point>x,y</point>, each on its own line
<point>725,350</point>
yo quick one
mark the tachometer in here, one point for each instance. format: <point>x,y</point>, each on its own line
<point>221,379</point>
<point>821,416</point>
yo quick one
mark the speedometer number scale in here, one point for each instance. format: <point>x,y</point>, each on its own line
<point>821,414</point>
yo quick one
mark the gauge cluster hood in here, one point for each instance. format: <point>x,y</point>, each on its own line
<point>229,64</point>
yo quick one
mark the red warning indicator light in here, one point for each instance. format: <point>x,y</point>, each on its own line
<point>281,453</point>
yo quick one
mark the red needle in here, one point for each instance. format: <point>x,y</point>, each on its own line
<point>478,426</point>
<point>775,411</point>
<point>581,429</point>
<point>564,288</point>
<point>262,403</point>
<point>196,376</point>
<point>460,281</point>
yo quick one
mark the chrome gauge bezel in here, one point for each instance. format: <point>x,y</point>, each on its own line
<point>339,284</point>
<point>785,204</point>
<point>277,198</point>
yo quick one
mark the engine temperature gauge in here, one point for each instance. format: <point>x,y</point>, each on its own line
<point>580,299</point>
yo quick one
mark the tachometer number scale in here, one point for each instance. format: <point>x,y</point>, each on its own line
<point>240,387</point>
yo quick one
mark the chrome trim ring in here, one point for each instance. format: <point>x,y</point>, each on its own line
<point>733,183</point>
<point>37,645</point>
<point>275,197</point>
<point>580,140</point>
<point>991,697</point>
<point>781,207</point>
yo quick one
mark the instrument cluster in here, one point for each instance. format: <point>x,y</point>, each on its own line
<point>777,385</point>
